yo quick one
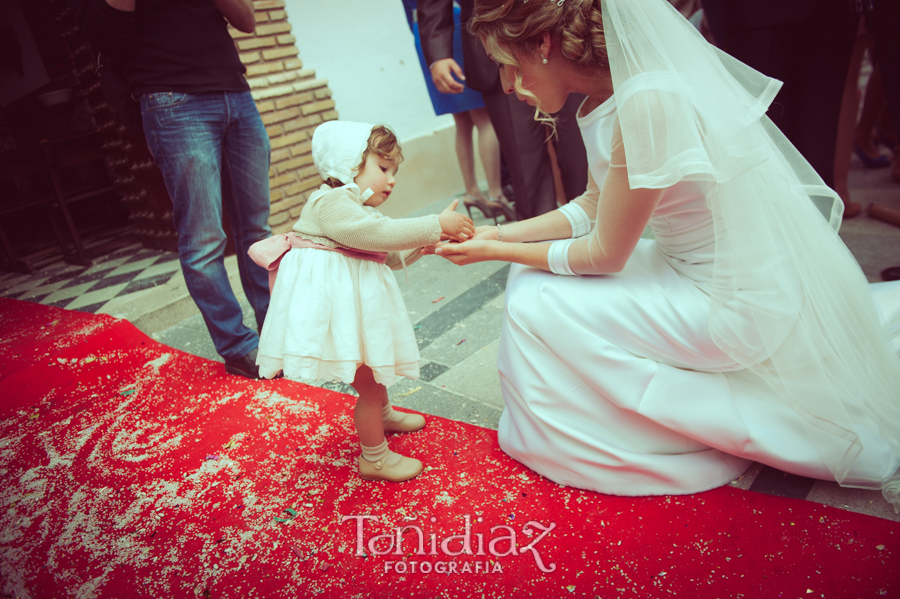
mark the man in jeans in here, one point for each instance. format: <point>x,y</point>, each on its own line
<point>207,138</point>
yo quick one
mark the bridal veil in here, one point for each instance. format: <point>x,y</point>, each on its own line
<point>789,302</point>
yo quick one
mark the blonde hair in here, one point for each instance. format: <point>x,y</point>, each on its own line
<point>575,28</point>
<point>382,142</point>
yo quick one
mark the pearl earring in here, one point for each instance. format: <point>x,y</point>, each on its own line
<point>543,60</point>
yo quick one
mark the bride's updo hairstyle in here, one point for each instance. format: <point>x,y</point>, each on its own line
<point>575,27</point>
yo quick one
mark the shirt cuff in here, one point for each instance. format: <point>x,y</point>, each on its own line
<point>558,257</point>
<point>578,219</point>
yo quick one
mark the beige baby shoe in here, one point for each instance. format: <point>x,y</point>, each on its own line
<point>388,466</point>
<point>400,422</point>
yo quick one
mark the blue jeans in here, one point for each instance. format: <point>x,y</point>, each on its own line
<point>213,151</point>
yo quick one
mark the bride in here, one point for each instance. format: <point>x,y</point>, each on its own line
<point>744,331</point>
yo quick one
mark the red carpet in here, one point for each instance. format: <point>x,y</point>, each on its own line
<point>130,469</point>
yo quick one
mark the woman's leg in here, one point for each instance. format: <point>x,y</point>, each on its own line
<point>465,153</point>
<point>847,128</point>
<point>488,150</point>
<point>873,106</point>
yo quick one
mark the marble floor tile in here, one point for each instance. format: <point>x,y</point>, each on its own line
<point>130,266</point>
<point>95,297</point>
<point>159,268</point>
<point>66,293</point>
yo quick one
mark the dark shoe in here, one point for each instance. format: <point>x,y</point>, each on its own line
<point>891,274</point>
<point>884,140</point>
<point>509,193</point>
<point>879,161</point>
<point>472,202</point>
<point>504,207</point>
<point>245,367</point>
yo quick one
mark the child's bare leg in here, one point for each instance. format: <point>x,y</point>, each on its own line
<point>367,414</point>
<point>377,461</point>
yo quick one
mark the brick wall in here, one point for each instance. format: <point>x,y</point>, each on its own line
<point>291,101</point>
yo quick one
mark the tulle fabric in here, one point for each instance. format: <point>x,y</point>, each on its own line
<point>789,302</point>
<point>331,313</point>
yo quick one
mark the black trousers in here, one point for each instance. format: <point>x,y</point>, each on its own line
<point>522,141</point>
<point>884,25</point>
<point>811,57</point>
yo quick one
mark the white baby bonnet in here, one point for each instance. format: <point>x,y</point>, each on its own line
<point>337,149</point>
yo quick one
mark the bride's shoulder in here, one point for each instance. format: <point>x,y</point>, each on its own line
<point>651,81</point>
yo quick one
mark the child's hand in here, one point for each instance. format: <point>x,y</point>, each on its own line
<point>455,225</point>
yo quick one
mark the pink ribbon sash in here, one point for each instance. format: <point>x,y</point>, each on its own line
<point>269,252</point>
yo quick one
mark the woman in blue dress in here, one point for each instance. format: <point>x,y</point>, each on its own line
<point>469,113</point>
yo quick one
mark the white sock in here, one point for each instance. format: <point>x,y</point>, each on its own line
<point>388,413</point>
<point>379,452</point>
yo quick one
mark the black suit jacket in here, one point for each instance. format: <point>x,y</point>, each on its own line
<point>435,19</point>
<point>738,15</point>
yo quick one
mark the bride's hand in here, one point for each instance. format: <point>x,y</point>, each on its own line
<point>486,233</point>
<point>468,252</point>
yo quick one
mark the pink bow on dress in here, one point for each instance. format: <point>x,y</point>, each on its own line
<point>269,252</point>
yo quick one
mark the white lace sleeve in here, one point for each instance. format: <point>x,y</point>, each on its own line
<point>620,216</point>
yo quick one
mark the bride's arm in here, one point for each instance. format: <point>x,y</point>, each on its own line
<point>552,225</point>
<point>622,214</point>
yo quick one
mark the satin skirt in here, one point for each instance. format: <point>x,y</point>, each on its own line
<point>612,383</point>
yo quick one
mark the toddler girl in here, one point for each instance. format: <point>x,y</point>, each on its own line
<point>336,313</point>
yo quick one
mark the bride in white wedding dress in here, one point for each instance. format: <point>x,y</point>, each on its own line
<point>744,331</point>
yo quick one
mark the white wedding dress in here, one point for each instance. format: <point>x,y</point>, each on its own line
<point>614,383</point>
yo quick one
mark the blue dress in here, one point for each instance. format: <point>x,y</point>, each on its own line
<point>444,103</point>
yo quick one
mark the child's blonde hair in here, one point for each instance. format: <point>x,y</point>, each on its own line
<point>382,142</point>
<point>575,27</point>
